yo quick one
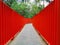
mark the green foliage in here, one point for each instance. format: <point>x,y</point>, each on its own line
<point>24,9</point>
<point>9,2</point>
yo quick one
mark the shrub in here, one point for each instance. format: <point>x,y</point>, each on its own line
<point>25,10</point>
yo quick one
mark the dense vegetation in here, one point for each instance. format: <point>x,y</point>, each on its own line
<point>24,9</point>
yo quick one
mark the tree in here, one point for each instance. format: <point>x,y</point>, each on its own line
<point>37,1</point>
<point>24,9</point>
<point>9,2</point>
